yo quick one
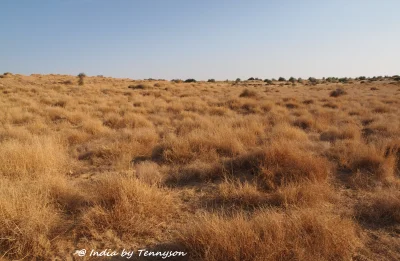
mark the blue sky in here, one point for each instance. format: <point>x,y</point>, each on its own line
<point>221,39</point>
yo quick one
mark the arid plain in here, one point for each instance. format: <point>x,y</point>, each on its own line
<point>222,170</point>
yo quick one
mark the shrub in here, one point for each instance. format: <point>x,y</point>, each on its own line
<point>190,80</point>
<point>338,92</point>
<point>211,80</point>
<point>312,80</point>
<point>281,79</point>
<point>81,78</point>
<point>362,78</point>
<point>292,80</point>
<point>344,80</point>
<point>140,86</point>
<point>251,79</point>
<point>176,80</point>
<point>248,93</point>
<point>238,80</point>
<point>268,81</point>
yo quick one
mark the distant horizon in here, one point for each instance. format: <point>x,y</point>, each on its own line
<point>201,40</point>
<point>219,80</point>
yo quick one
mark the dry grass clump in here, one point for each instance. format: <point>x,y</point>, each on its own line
<point>233,194</point>
<point>347,132</point>
<point>149,173</point>
<point>248,93</point>
<point>380,208</point>
<point>285,132</point>
<point>338,92</point>
<point>28,220</point>
<point>128,207</point>
<point>368,164</point>
<point>40,156</point>
<point>305,194</point>
<point>281,164</point>
<point>140,86</point>
<point>271,235</point>
<point>304,122</point>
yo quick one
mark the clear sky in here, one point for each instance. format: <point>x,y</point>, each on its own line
<point>221,39</point>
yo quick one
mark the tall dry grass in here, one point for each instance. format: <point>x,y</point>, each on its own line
<point>230,172</point>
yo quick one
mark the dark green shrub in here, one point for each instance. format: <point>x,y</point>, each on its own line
<point>312,80</point>
<point>337,93</point>
<point>81,78</point>
<point>281,79</point>
<point>211,80</point>
<point>238,80</point>
<point>268,81</point>
<point>292,80</point>
<point>251,79</point>
<point>140,86</point>
<point>190,80</point>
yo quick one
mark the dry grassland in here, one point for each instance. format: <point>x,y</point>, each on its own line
<point>224,171</point>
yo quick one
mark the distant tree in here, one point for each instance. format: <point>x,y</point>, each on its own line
<point>190,80</point>
<point>344,80</point>
<point>176,80</point>
<point>292,80</point>
<point>300,80</point>
<point>238,80</point>
<point>268,81</point>
<point>281,79</point>
<point>211,80</point>
<point>312,79</point>
<point>251,79</point>
<point>81,78</point>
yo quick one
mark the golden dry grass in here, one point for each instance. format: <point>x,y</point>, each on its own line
<point>226,171</point>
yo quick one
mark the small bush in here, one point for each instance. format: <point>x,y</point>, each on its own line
<point>281,79</point>
<point>248,93</point>
<point>190,80</point>
<point>81,78</point>
<point>268,81</point>
<point>140,86</point>
<point>211,80</point>
<point>238,80</point>
<point>292,80</point>
<point>176,80</point>
<point>312,80</point>
<point>338,92</point>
